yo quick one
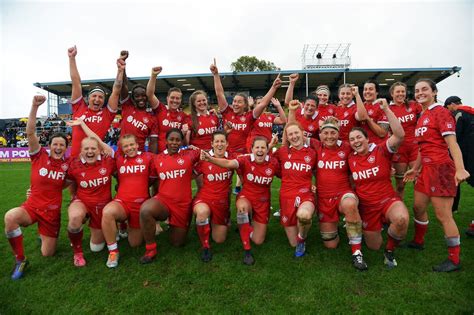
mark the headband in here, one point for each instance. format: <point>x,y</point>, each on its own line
<point>323,88</point>
<point>329,125</point>
<point>96,89</point>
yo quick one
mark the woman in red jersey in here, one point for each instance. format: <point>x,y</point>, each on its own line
<point>297,166</point>
<point>174,168</point>
<point>257,171</point>
<point>211,203</point>
<point>48,173</point>
<point>168,116</point>
<point>335,194</point>
<point>370,166</point>
<point>442,170</point>
<point>325,109</point>
<point>407,113</point>
<point>348,111</point>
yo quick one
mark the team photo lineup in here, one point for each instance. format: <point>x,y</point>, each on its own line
<point>335,162</point>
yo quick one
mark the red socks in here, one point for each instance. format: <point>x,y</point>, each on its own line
<point>16,243</point>
<point>151,250</point>
<point>204,231</point>
<point>245,229</point>
<point>356,247</point>
<point>392,243</point>
<point>420,231</point>
<point>76,240</point>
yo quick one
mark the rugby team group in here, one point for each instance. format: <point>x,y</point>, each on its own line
<point>335,160</point>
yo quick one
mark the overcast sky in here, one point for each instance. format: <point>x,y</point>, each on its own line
<point>184,36</point>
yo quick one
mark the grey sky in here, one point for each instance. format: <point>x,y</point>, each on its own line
<point>184,36</point>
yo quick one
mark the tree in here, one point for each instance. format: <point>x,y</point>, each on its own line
<point>252,63</point>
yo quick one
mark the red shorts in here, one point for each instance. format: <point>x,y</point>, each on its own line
<point>373,216</point>
<point>94,213</point>
<point>289,207</point>
<point>407,152</point>
<point>49,222</point>
<point>132,209</point>
<point>437,180</point>
<point>260,207</point>
<point>180,213</point>
<point>328,208</point>
<point>220,212</point>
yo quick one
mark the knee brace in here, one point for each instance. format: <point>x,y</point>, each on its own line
<point>354,232</point>
<point>96,247</point>
<point>329,236</point>
<point>242,218</point>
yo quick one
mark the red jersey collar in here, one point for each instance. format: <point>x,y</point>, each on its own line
<point>211,153</point>
<point>99,158</point>
<point>434,105</point>
<point>252,158</point>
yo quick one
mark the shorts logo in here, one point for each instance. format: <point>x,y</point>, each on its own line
<point>250,177</point>
<point>371,159</point>
<point>166,122</point>
<point>64,167</point>
<point>43,171</point>
<point>341,154</point>
<point>268,171</point>
<point>139,160</point>
<point>201,132</point>
<point>364,224</point>
<point>162,176</point>
<point>210,177</point>
<point>426,121</point>
<point>433,189</point>
<point>320,164</point>
<point>310,127</point>
<point>102,171</point>
<point>129,119</point>
<point>287,165</point>
<point>122,169</point>
<point>242,119</point>
<point>83,184</point>
<point>284,219</point>
<point>180,161</point>
<point>307,159</point>
<point>260,124</point>
<point>145,120</point>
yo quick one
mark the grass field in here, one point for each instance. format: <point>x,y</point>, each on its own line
<point>178,282</point>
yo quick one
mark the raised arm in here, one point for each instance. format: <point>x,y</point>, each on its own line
<point>291,87</point>
<point>219,89</point>
<point>258,110</point>
<point>33,141</point>
<point>461,173</point>
<point>230,164</point>
<point>361,114</point>
<point>117,88</point>
<point>80,122</point>
<point>75,77</point>
<point>124,91</point>
<point>398,134</point>
<point>280,120</point>
<point>293,106</point>
<point>150,87</point>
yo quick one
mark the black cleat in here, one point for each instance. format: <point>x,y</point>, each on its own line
<point>470,232</point>
<point>206,255</point>
<point>248,258</point>
<point>148,257</point>
<point>358,261</point>
<point>389,259</point>
<point>415,245</point>
<point>447,266</point>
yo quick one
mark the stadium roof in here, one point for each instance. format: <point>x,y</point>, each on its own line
<point>243,81</point>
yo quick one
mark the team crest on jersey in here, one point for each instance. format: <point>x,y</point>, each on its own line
<point>341,154</point>
<point>370,112</point>
<point>130,118</point>
<point>371,159</point>
<point>166,122</point>
<point>346,114</point>
<point>268,171</point>
<point>103,171</point>
<point>311,127</point>
<point>64,167</point>
<point>426,121</point>
<point>242,119</point>
<point>43,171</point>
<point>139,160</point>
<point>83,174</point>
<point>180,161</point>
<point>179,117</point>
<point>250,177</point>
<point>409,109</point>
<point>145,120</point>
<point>307,159</point>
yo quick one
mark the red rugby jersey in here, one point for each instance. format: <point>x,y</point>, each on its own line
<point>378,116</point>
<point>207,125</point>
<point>138,122</point>
<point>241,125</point>
<point>310,125</point>
<point>257,178</point>
<point>263,126</point>
<point>167,119</point>
<point>216,180</point>
<point>408,116</point>
<point>347,120</point>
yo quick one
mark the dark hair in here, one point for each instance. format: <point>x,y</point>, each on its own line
<point>392,88</point>
<point>259,138</point>
<point>311,98</point>
<point>431,84</point>
<point>219,132</point>
<point>95,88</point>
<point>58,135</point>
<point>362,130</point>
<point>371,81</point>
<point>174,130</point>
<point>174,89</point>
<point>137,86</point>
<point>192,99</point>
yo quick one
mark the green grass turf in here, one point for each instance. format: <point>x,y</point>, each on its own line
<point>178,282</point>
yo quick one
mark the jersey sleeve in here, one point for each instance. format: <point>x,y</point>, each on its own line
<point>242,159</point>
<point>77,104</point>
<point>36,156</point>
<point>198,168</point>
<point>445,123</point>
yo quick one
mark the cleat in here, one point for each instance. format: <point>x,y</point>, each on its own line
<point>79,260</point>
<point>113,260</point>
<point>148,257</point>
<point>19,269</point>
<point>122,234</point>
<point>358,261</point>
<point>389,259</point>
<point>237,190</point>
<point>415,245</point>
<point>276,213</point>
<point>206,255</point>
<point>300,249</point>
<point>248,258</point>
<point>470,232</point>
<point>447,266</point>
